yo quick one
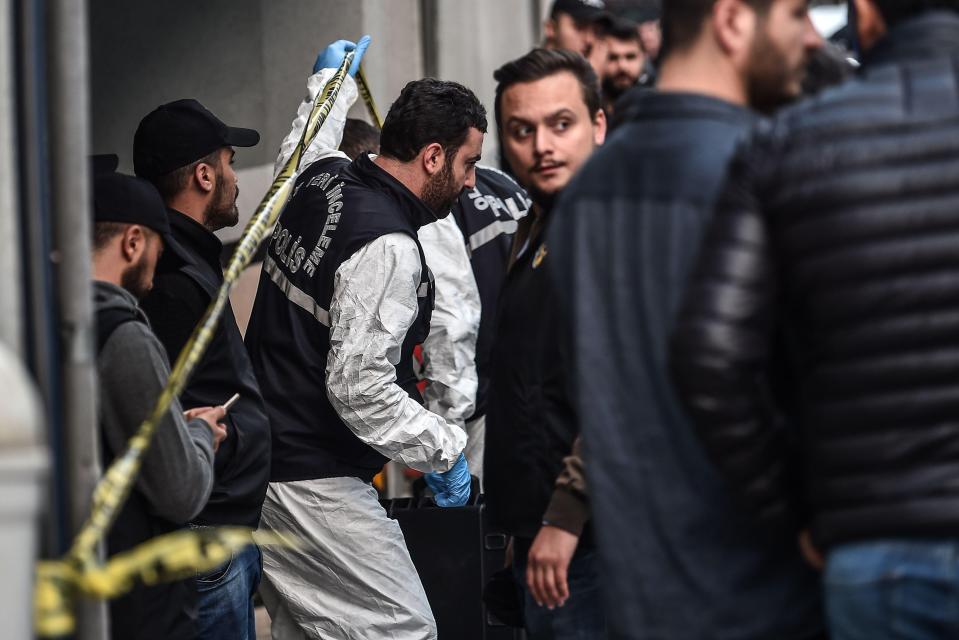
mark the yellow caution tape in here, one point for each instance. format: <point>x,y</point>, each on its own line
<point>174,556</point>
<point>188,551</point>
<point>367,95</point>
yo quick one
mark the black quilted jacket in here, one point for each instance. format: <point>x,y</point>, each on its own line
<point>822,321</point>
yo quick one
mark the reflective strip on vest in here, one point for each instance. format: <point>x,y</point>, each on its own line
<point>491,231</point>
<point>294,294</point>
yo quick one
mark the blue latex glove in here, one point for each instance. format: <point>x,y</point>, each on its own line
<point>451,488</point>
<point>332,56</point>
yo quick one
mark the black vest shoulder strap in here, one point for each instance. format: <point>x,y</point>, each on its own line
<point>109,320</point>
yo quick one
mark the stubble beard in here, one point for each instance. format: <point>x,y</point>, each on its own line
<point>769,77</point>
<point>222,211</point>
<point>440,194</point>
<point>134,280</point>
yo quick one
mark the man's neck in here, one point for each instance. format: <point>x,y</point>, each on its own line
<point>104,271</point>
<point>190,207</point>
<point>705,71</point>
<point>403,172</point>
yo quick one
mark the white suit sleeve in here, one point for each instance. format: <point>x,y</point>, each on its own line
<point>374,304</point>
<point>449,353</point>
<point>327,141</point>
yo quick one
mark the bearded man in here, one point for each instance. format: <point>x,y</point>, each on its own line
<point>627,66</point>
<point>344,296</point>
<point>187,153</point>
<point>680,557</point>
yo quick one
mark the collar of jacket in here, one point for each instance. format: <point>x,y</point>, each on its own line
<point>528,232</point>
<point>193,241</point>
<point>107,294</point>
<point>929,35</point>
<point>652,104</point>
<point>375,177</point>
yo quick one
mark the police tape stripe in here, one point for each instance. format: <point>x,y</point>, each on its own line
<point>367,95</point>
<point>58,582</point>
<point>174,556</point>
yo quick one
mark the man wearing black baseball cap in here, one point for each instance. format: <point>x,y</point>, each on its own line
<point>580,26</point>
<point>187,153</point>
<point>130,225</point>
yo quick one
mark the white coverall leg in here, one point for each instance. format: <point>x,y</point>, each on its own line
<point>352,577</point>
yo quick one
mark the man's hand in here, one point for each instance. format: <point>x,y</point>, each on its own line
<point>332,56</point>
<point>451,488</point>
<point>547,564</point>
<point>810,552</point>
<point>211,416</point>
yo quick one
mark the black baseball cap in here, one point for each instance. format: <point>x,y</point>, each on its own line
<point>177,133</point>
<point>104,163</point>
<point>581,10</point>
<point>122,198</point>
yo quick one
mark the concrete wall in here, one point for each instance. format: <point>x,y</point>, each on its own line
<point>11,307</point>
<point>247,61</point>
<point>249,67</point>
<point>474,39</point>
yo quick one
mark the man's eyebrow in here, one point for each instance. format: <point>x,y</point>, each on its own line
<point>517,120</point>
<point>559,113</point>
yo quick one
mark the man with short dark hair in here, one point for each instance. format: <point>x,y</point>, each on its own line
<point>359,137</point>
<point>187,152</point>
<point>626,64</point>
<point>680,558</point>
<point>550,120</point>
<point>345,295</point>
<point>829,275</point>
<point>130,230</point>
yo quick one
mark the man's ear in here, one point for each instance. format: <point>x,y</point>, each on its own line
<point>733,24</point>
<point>549,30</point>
<point>205,177</point>
<point>599,127</point>
<point>132,243</point>
<point>870,25</point>
<point>433,157</point>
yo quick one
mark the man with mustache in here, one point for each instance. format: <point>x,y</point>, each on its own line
<point>187,153</point>
<point>550,120</point>
<point>344,297</point>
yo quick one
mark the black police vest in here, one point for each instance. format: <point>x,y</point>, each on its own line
<point>155,612</point>
<point>336,209</point>
<point>487,215</point>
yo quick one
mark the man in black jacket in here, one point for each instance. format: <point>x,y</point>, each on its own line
<point>187,153</point>
<point>832,260</point>
<point>680,560</point>
<point>550,120</point>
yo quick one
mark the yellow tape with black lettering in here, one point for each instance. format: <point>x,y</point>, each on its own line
<point>367,96</point>
<point>183,552</point>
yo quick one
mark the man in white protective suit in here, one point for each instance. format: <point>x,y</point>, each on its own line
<point>344,297</point>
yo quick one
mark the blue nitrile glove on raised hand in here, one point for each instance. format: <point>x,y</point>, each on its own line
<point>332,56</point>
<point>451,488</point>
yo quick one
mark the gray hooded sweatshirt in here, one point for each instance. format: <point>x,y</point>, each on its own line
<point>177,473</point>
